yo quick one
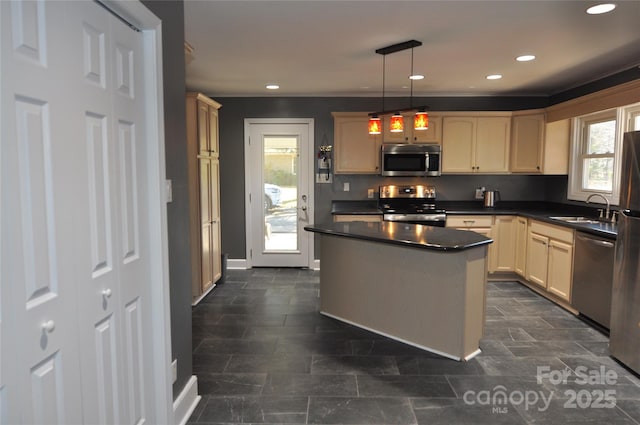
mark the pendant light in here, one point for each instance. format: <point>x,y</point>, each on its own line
<point>375,125</point>
<point>396,120</point>
<point>421,121</point>
<point>396,123</point>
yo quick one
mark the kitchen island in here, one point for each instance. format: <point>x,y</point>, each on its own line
<point>421,285</point>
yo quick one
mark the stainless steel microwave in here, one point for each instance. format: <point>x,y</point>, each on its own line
<point>411,160</point>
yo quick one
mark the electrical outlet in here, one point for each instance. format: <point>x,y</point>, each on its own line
<point>322,178</point>
<point>480,192</point>
<point>168,191</point>
<point>174,370</point>
<point>369,193</point>
<point>345,187</point>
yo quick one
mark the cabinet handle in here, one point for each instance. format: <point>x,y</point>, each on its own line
<point>469,221</point>
<point>537,167</point>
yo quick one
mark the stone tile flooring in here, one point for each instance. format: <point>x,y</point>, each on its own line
<point>264,355</point>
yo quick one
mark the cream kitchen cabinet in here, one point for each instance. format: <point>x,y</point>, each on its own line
<point>538,147</point>
<point>481,224</point>
<point>527,141</point>
<point>504,232</point>
<point>557,141</point>
<point>550,258</point>
<point>204,192</point>
<point>355,151</point>
<point>475,144</point>
<point>431,135</point>
<point>522,226</point>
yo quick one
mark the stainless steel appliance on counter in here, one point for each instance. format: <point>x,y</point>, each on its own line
<point>593,277</point>
<point>624,343</point>
<point>411,204</point>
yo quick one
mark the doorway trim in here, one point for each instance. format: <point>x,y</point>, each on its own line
<point>310,163</point>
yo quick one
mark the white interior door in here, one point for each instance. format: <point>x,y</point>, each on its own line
<point>77,247</point>
<point>279,166</point>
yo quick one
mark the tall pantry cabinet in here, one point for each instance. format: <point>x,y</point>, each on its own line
<point>204,192</point>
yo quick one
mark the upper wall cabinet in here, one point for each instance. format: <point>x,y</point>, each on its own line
<point>355,151</point>
<point>431,135</point>
<point>527,139</point>
<point>207,123</point>
<point>476,144</point>
<point>557,140</point>
<point>538,147</point>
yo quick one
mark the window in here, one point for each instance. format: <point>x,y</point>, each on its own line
<point>596,152</point>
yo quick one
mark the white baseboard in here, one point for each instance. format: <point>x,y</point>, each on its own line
<point>186,402</point>
<point>237,264</point>
<point>241,264</point>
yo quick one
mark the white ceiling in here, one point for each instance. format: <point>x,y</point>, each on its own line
<point>327,48</point>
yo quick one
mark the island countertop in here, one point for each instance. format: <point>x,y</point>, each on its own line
<point>405,234</point>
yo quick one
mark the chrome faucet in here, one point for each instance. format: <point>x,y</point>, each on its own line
<point>606,215</point>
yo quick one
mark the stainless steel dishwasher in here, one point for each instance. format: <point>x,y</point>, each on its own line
<point>593,277</point>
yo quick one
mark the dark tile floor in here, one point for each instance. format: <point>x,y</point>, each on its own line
<point>264,355</point>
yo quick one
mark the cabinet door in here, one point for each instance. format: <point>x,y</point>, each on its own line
<point>560,269</point>
<point>458,141</point>
<point>492,145</point>
<point>521,246</point>
<point>216,242</point>
<point>537,259</point>
<point>206,267</point>
<point>203,127</point>
<point>527,138</point>
<point>556,147</point>
<point>431,135</point>
<point>205,190</point>
<point>356,152</point>
<point>504,244</point>
<point>400,137</point>
<point>213,131</point>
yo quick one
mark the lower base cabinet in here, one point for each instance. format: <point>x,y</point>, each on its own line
<point>481,224</point>
<point>550,258</point>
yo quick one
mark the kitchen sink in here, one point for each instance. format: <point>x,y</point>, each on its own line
<point>577,220</point>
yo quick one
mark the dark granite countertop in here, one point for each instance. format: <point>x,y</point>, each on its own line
<point>542,211</point>
<point>405,234</point>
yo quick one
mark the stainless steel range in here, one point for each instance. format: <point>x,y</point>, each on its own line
<point>411,204</point>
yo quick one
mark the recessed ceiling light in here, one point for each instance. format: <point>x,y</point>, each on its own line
<point>273,86</point>
<point>416,77</point>
<point>494,77</point>
<point>601,8</point>
<point>525,58</point>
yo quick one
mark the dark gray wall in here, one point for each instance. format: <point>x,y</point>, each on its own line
<point>172,15</point>
<point>235,110</point>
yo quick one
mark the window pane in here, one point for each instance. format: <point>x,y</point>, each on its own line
<point>597,174</point>
<point>601,137</point>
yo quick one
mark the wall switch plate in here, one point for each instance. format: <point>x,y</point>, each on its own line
<point>345,187</point>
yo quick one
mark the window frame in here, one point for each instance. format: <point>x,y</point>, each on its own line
<point>624,118</point>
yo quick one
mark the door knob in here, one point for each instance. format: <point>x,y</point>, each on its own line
<point>303,208</point>
<point>304,197</point>
<point>48,326</point>
<point>107,292</point>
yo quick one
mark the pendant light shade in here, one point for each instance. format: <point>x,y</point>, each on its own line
<point>375,126</point>
<point>421,121</point>
<point>396,123</point>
